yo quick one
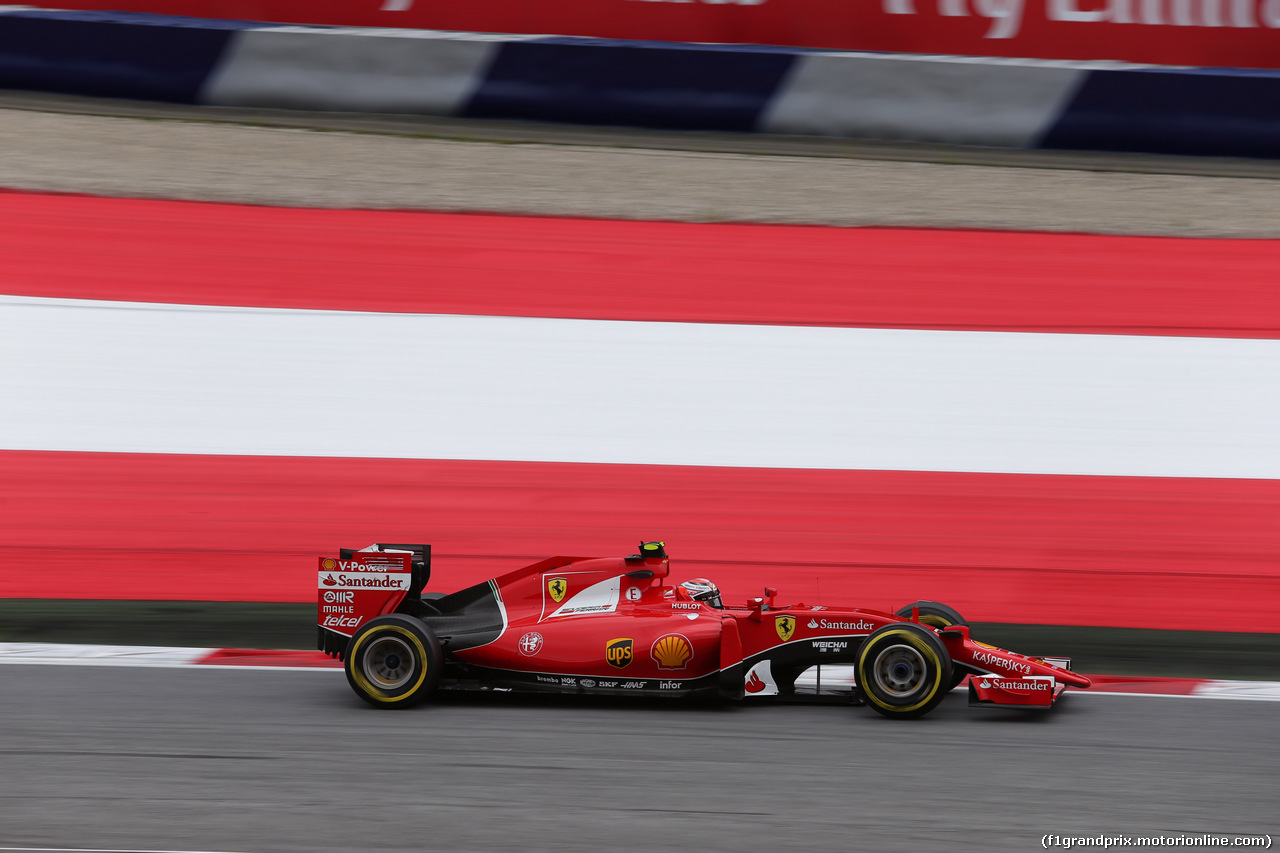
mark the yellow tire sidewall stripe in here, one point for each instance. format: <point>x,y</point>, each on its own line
<point>357,671</point>
<point>924,648</point>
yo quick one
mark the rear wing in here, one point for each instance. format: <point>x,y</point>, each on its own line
<point>420,561</point>
<point>362,585</point>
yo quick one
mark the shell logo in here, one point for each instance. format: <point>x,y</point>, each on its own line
<point>672,651</point>
<point>329,564</point>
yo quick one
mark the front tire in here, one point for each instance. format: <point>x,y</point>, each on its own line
<point>903,670</point>
<point>935,614</point>
<point>394,661</point>
<point>932,613</point>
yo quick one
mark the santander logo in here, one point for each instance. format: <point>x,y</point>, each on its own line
<point>754,684</point>
<point>329,581</point>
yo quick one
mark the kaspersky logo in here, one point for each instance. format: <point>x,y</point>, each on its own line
<point>556,588</point>
<point>619,652</point>
<point>785,626</point>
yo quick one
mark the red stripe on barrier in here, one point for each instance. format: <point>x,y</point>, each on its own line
<point>268,657</point>
<point>1146,684</point>
<point>197,253</point>
<point>1125,552</point>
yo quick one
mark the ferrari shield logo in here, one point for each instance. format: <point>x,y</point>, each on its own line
<point>556,588</point>
<point>785,626</point>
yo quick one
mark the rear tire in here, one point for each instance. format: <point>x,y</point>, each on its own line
<point>394,661</point>
<point>903,670</point>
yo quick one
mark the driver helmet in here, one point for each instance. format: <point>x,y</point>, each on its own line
<point>700,589</point>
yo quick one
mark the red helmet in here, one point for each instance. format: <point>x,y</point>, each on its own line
<point>700,589</point>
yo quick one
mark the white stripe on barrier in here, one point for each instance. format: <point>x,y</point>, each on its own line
<point>387,71</point>
<point>1261,691</point>
<point>931,99</point>
<point>133,377</point>
<point>65,654</point>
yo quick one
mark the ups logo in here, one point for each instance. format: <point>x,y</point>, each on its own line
<point>618,652</point>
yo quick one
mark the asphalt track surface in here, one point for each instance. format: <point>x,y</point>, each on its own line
<point>271,760</point>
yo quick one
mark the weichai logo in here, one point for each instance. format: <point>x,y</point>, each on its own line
<point>619,652</point>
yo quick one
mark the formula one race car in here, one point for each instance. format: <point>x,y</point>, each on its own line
<point>615,627</point>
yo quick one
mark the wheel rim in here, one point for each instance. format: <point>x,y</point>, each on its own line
<point>899,671</point>
<point>388,662</point>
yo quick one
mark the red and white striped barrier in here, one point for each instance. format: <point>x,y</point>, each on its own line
<point>56,654</point>
<point>1053,429</point>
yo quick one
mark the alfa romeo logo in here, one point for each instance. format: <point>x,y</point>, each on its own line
<point>785,626</point>
<point>530,644</point>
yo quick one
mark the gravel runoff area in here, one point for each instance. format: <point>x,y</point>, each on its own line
<point>312,160</point>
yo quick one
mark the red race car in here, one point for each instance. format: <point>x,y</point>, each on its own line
<point>615,626</point>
